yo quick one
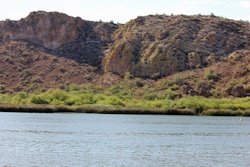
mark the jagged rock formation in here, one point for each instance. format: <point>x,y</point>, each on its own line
<point>73,38</point>
<point>156,46</point>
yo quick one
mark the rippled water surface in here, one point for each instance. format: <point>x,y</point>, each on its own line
<point>33,139</point>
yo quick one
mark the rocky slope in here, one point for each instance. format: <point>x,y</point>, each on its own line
<point>160,45</point>
<point>27,67</point>
<point>73,38</point>
<point>230,77</point>
<point>205,55</point>
<point>50,50</point>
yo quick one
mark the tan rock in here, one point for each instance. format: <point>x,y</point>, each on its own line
<point>49,29</point>
<point>194,60</point>
<point>164,44</point>
<point>65,36</point>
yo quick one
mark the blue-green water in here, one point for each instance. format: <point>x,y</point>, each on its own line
<point>33,139</point>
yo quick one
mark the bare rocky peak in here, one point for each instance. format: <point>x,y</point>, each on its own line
<point>159,45</point>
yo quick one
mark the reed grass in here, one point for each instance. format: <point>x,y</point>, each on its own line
<point>115,101</point>
<point>91,109</point>
<point>225,112</point>
<point>103,109</point>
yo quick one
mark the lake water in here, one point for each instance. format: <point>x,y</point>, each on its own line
<point>33,139</point>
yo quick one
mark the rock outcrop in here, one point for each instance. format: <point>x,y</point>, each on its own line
<point>237,91</point>
<point>160,45</point>
<point>50,30</point>
<point>73,38</point>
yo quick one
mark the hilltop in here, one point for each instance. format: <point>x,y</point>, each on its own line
<point>48,50</point>
<point>160,45</point>
<point>191,55</point>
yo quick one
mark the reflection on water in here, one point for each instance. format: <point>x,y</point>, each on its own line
<point>33,139</point>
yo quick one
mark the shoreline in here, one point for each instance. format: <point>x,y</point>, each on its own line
<point>118,110</point>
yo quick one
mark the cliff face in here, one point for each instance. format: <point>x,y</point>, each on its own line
<point>50,30</point>
<point>65,36</point>
<point>156,46</point>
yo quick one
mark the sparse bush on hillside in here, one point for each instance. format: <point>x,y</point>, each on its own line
<point>58,95</point>
<point>139,83</point>
<point>26,54</point>
<point>73,101</point>
<point>179,80</point>
<point>62,70</point>
<point>95,68</point>
<point>128,76</point>
<point>8,59</point>
<point>74,87</point>
<point>115,89</point>
<point>150,96</point>
<point>114,101</point>
<point>99,97</point>
<point>155,76</point>
<point>88,77</point>
<point>171,95</point>
<point>2,87</point>
<point>210,75</point>
<point>4,98</point>
<point>212,14</point>
<point>38,99</point>
<point>216,93</point>
<point>36,80</point>
<point>87,98</point>
<point>234,82</point>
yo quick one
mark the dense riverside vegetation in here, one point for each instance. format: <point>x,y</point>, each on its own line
<point>120,99</point>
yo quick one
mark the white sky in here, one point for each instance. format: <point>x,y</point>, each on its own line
<point>124,10</point>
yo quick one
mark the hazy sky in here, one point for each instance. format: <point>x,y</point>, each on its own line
<point>125,10</point>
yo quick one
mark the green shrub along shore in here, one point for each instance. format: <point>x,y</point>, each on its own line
<point>93,99</point>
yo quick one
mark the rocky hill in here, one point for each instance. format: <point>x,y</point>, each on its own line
<point>53,50</point>
<point>159,45</point>
<point>62,35</point>
<point>225,78</point>
<point>48,49</point>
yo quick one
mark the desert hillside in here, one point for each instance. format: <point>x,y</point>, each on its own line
<point>202,55</point>
<point>160,45</point>
<point>51,50</point>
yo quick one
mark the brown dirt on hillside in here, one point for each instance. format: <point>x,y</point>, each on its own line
<point>228,77</point>
<point>27,67</point>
